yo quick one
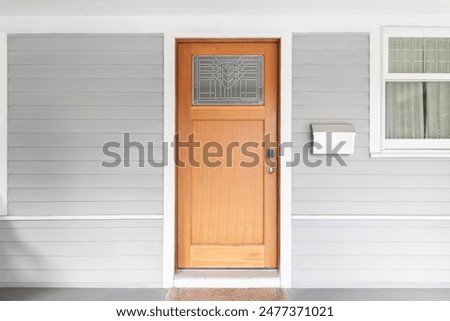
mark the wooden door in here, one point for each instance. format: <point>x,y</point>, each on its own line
<point>227,209</point>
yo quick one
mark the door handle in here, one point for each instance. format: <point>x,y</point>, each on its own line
<point>270,169</point>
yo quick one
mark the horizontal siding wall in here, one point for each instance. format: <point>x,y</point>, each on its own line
<point>125,253</point>
<point>371,253</point>
<point>68,95</point>
<point>331,85</point>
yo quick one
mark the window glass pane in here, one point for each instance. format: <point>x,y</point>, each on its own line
<point>227,80</point>
<point>418,110</point>
<point>419,55</point>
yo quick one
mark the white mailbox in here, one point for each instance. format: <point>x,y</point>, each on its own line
<point>333,138</point>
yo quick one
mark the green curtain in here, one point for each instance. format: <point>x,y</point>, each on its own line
<point>404,110</point>
<point>418,110</point>
<point>438,107</point>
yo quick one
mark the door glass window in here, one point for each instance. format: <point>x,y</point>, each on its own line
<point>228,80</point>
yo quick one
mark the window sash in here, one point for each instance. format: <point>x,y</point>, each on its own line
<point>421,144</point>
<point>416,77</point>
<point>435,146</point>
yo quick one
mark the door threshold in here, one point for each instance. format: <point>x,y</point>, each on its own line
<point>227,278</point>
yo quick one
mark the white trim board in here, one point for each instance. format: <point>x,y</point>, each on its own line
<point>80,217</point>
<point>213,23</point>
<point>373,217</point>
<point>3,123</point>
<point>285,172</point>
<point>169,169</point>
<point>285,131</point>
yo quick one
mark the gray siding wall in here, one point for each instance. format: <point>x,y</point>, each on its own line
<point>68,95</point>
<point>125,253</point>
<point>331,84</point>
<point>370,253</point>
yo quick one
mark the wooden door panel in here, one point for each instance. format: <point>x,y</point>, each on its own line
<point>227,215</point>
<point>251,256</point>
<point>228,199</point>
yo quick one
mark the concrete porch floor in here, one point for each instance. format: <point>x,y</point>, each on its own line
<point>79,294</point>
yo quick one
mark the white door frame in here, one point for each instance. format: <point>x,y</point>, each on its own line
<point>285,197</point>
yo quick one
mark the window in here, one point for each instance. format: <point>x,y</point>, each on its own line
<point>410,92</point>
<point>227,80</point>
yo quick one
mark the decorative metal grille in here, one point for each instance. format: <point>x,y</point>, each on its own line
<point>227,80</point>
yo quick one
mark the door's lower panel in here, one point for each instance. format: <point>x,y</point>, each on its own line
<point>227,256</point>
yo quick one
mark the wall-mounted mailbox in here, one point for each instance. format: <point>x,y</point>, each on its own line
<point>333,138</point>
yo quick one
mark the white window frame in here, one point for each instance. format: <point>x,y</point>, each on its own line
<point>380,146</point>
<point>3,124</point>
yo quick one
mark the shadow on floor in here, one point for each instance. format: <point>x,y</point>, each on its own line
<point>74,294</point>
<point>78,294</point>
<point>369,294</point>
